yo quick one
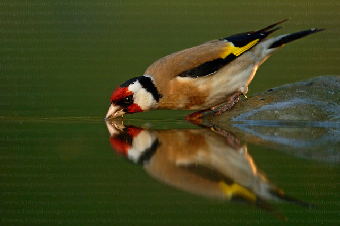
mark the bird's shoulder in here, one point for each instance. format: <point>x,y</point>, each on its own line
<point>178,63</point>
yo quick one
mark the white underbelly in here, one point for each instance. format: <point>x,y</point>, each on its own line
<point>223,85</point>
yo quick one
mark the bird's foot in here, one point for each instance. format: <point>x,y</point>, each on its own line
<point>195,117</point>
<point>231,101</point>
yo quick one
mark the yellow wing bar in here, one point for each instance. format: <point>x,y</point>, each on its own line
<point>231,49</point>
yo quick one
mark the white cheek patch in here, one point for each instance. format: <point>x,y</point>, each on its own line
<point>142,97</point>
<point>140,144</point>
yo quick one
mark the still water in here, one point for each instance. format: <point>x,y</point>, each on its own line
<point>78,170</point>
<point>62,163</point>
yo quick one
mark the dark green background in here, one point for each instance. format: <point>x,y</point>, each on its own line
<point>60,62</point>
<point>64,58</point>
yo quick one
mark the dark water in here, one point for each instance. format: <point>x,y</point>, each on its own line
<point>60,61</point>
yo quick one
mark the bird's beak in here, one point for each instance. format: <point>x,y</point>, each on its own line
<point>114,112</point>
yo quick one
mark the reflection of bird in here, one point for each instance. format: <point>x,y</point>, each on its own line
<point>199,161</point>
<point>201,77</point>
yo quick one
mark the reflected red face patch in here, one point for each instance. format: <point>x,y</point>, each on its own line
<point>123,142</point>
<point>120,146</point>
<point>134,131</point>
<point>119,93</point>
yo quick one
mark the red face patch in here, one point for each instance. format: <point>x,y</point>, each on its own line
<point>133,108</point>
<point>119,93</point>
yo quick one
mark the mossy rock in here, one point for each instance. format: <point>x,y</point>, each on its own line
<point>316,99</point>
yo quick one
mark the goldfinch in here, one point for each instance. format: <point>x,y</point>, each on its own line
<point>202,77</point>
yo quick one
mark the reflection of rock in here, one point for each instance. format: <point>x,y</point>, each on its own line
<point>320,144</point>
<point>200,161</point>
<point>302,119</point>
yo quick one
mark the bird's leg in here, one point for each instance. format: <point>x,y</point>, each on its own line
<point>197,116</point>
<point>231,101</point>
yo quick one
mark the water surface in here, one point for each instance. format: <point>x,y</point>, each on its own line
<point>66,170</point>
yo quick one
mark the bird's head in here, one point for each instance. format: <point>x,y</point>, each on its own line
<point>135,95</point>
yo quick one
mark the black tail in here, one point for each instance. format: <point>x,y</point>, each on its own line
<point>243,39</point>
<point>294,36</point>
<point>271,26</point>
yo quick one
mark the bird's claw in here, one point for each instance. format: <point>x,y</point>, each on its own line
<point>231,101</point>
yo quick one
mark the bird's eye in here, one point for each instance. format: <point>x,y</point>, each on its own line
<point>128,99</point>
<point>124,102</point>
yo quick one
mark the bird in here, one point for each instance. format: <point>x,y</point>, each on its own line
<point>201,78</point>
